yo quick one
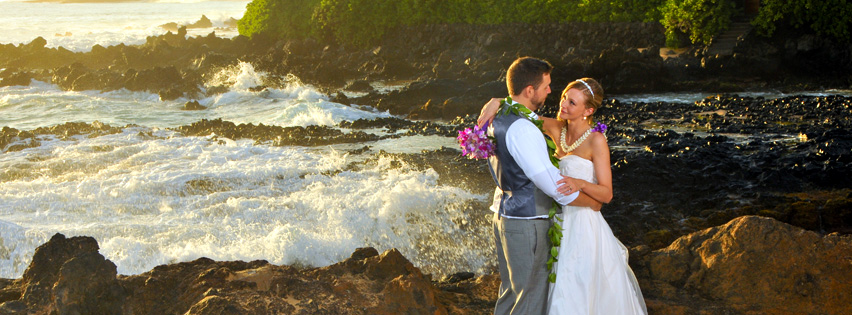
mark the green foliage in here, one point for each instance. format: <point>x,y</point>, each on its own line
<point>825,17</point>
<point>278,18</point>
<point>700,19</point>
<point>618,10</point>
<point>362,22</point>
<point>359,22</point>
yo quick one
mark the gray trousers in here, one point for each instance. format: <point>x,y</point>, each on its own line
<point>522,251</point>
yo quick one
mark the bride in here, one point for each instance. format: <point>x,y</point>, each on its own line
<point>592,275</point>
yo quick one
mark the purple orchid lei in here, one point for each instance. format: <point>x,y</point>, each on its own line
<point>475,143</point>
<point>599,127</point>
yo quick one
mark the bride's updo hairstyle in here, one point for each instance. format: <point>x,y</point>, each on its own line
<point>592,90</point>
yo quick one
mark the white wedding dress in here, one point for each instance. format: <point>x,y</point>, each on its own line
<point>592,275</point>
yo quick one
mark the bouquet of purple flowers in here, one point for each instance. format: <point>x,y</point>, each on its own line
<point>475,143</point>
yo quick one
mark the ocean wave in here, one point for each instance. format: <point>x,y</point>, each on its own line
<point>289,104</point>
<point>17,245</point>
<point>152,197</point>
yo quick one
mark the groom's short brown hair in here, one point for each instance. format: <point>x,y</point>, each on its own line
<point>526,71</point>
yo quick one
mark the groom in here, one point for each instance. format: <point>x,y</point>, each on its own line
<point>526,187</point>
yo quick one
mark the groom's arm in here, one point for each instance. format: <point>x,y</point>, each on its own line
<point>527,146</point>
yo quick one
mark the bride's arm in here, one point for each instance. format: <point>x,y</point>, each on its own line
<point>551,127</point>
<point>602,191</point>
<point>488,112</point>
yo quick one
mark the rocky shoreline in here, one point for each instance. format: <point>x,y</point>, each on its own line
<point>447,70</point>
<point>750,265</point>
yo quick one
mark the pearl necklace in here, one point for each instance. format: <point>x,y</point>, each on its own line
<point>579,141</point>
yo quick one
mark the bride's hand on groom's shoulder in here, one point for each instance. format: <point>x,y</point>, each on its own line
<point>488,112</point>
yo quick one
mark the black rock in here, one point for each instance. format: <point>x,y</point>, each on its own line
<point>193,105</point>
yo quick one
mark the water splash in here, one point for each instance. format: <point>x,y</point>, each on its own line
<point>240,77</point>
<point>152,197</point>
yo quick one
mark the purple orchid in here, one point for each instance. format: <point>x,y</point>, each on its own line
<point>475,143</point>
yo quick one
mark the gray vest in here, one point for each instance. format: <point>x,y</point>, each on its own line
<point>521,198</point>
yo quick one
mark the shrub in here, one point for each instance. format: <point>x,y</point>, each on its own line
<point>700,19</point>
<point>620,11</point>
<point>278,18</point>
<point>362,22</point>
<point>825,17</point>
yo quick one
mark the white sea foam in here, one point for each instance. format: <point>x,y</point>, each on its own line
<point>155,199</point>
<point>295,104</point>
<point>17,245</point>
<point>150,197</point>
<point>240,77</point>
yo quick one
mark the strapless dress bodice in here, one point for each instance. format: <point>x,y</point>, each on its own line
<point>577,167</point>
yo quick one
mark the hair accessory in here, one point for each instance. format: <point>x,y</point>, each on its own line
<point>587,86</point>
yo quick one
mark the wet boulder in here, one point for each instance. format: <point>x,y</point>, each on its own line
<point>193,105</point>
<point>44,271</point>
<point>203,22</point>
<point>87,284</point>
<point>11,77</point>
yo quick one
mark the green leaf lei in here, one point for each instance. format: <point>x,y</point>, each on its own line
<point>555,230</point>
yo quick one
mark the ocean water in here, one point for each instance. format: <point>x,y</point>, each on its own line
<point>151,196</point>
<point>79,26</point>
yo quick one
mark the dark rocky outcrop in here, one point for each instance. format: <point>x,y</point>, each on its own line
<point>69,276</point>
<point>87,284</point>
<point>203,22</point>
<point>12,139</point>
<point>276,135</point>
<point>449,70</point>
<point>44,271</point>
<point>750,265</point>
<point>10,77</point>
<point>193,105</point>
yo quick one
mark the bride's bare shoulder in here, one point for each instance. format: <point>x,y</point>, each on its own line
<point>598,140</point>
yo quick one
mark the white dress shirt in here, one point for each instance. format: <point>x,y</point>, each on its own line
<point>527,146</point>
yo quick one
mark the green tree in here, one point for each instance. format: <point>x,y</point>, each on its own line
<point>278,18</point>
<point>359,22</point>
<point>825,17</point>
<point>362,22</point>
<point>700,19</point>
